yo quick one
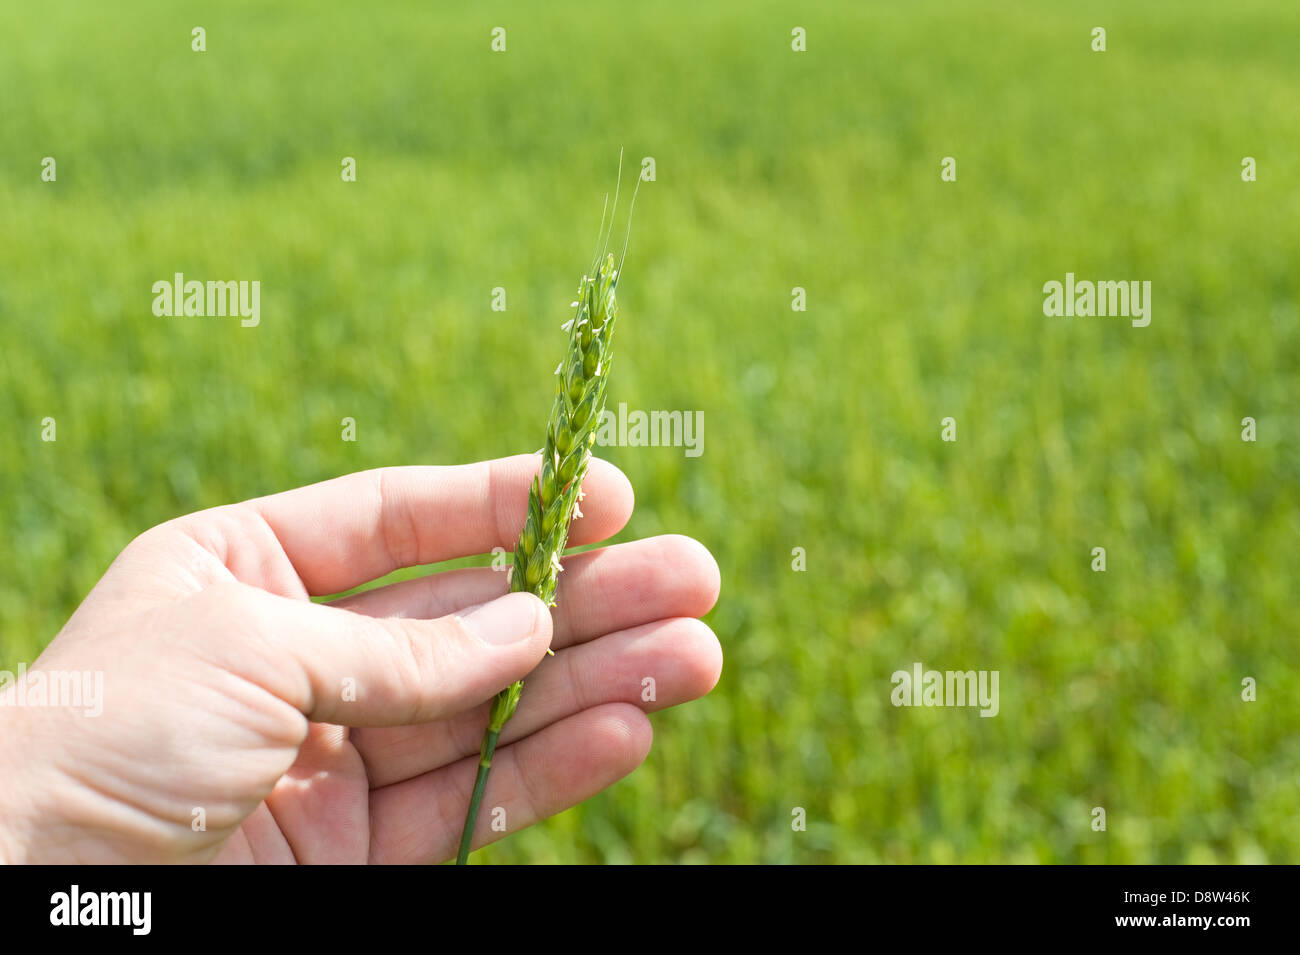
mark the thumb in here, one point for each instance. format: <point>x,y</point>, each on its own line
<point>340,667</point>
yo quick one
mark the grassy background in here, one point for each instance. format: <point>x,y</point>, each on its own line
<point>775,169</point>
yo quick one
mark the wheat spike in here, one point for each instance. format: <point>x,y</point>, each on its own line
<point>553,498</point>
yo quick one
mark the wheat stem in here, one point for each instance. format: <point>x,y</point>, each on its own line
<point>476,799</point>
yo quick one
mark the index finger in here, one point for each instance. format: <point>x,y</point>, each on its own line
<point>342,533</point>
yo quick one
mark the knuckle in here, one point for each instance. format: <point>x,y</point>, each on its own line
<point>529,772</point>
<point>419,662</point>
<point>397,524</point>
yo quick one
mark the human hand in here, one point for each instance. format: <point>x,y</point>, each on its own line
<point>226,691</point>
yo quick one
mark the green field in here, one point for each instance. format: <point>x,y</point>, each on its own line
<point>775,169</point>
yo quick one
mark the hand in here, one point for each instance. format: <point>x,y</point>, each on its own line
<point>226,697</point>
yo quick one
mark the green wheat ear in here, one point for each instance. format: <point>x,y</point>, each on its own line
<point>581,379</point>
<point>579,400</point>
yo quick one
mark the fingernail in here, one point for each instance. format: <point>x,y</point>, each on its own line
<point>507,619</point>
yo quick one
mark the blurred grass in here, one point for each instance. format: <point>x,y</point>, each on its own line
<point>775,170</point>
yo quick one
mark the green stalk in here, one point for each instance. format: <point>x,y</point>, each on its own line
<point>475,800</point>
<point>502,709</point>
<point>553,498</point>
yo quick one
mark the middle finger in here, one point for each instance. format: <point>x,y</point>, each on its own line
<point>600,591</point>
